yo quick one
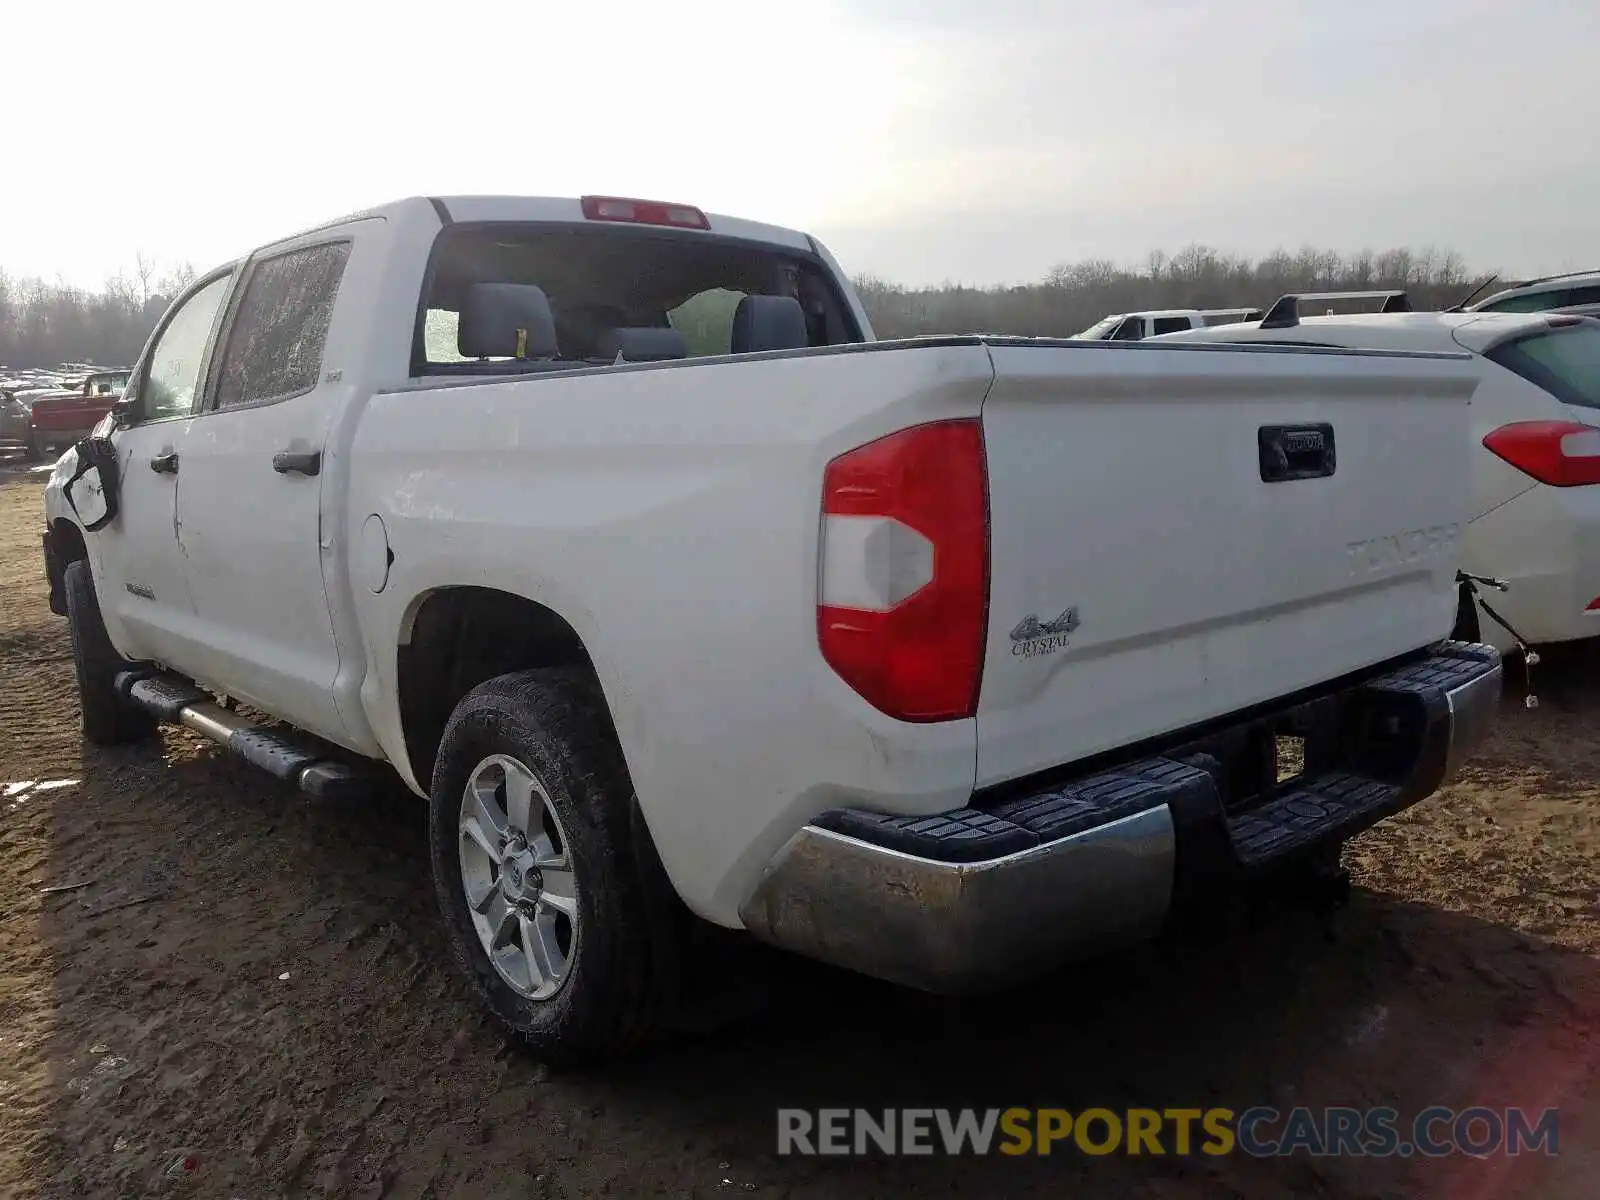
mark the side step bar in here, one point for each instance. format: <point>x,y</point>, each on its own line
<point>314,769</point>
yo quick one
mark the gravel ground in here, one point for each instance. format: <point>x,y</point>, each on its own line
<point>249,996</point>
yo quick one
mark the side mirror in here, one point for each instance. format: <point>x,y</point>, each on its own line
<point>125,410</point>
<point>93,489</point>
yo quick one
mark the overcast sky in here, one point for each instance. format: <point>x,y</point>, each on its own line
<point>924,140</point>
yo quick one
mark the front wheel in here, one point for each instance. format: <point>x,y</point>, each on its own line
<point>536,874</point>
<point>107,718</point>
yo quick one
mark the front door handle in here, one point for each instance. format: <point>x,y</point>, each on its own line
<point>165,464</point>
<point>299,462</point>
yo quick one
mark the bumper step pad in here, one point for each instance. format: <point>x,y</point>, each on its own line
<point>315,768</point>
<point>1330,806</point>
<point>966,835</point>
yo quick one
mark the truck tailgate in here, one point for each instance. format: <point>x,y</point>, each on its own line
<point>1179,533</point>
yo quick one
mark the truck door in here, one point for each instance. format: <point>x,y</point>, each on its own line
<point>250,514</point>
<point>140,577</point>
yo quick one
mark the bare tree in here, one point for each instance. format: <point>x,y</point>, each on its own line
<point>144,271</point>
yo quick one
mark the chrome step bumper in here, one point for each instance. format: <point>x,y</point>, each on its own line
<point>1017,882</point>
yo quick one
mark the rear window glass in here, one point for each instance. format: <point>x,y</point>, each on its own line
<point>673,295</point>
<point>1564,362</point>
<point>1171,324</point>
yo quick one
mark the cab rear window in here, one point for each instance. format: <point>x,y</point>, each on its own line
<point>611,294</point>
<point>1564,362</point>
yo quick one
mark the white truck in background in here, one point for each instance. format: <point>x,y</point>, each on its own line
<point>942,659</point>
<point>1135,327</point>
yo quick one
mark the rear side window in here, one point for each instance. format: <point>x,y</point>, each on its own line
<point>281,326</point>
<point>1564,362</point>
<point>1171,324</point>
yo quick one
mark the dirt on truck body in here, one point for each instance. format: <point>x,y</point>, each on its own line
<point>209,984</point>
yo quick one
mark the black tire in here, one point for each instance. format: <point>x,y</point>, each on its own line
<point>625,962</point>
<point>107,718</point>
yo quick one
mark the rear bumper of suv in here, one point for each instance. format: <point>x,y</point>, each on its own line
<point>1038,872</point>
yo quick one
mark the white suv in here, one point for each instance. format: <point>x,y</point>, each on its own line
<point>1536,507</point>
<point>1578,293</point>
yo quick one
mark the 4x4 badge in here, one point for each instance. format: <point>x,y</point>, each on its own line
<point>1033,637</point>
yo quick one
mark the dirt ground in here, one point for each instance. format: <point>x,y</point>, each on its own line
<point>256,986</point>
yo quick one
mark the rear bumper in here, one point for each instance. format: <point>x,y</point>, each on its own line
<point>1025,877</point>
<point>1545,543</point>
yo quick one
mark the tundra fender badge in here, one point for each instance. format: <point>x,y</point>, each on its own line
<point>1033,637</point>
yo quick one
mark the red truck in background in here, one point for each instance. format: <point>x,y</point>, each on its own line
<point>51,420</point>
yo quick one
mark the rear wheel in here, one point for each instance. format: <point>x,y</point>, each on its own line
<point>537,874</point>
<point>107,717</point>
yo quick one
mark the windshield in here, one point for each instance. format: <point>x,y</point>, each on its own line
<point>1099,329</point>
<point>672,294</point>
<point>1564,362</point>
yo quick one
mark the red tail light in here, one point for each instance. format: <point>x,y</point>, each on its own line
<point>643,212</point>
<point>1560,453</point>
<point>903,598</point>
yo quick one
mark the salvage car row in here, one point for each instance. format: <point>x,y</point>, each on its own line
<point>941,659</point>
<point>44,414</point>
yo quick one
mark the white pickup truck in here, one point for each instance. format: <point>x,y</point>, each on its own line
<point>940,659</point>
<point>1134,327</point>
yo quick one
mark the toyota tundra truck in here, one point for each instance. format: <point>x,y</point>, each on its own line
<point>943,660</point>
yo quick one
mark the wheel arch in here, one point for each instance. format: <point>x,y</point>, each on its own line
<point>66,546</point>
<point>454,638</point>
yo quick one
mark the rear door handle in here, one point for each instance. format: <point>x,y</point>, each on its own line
<point>297,462</point>
<point>165,464</point>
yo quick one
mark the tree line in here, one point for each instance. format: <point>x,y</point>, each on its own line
<point>45,324</point>
<point>1073,296</point>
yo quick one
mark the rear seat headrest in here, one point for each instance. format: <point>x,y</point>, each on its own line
<point>643,343</point>
<point>769,323</point>
<point>506,320</point>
